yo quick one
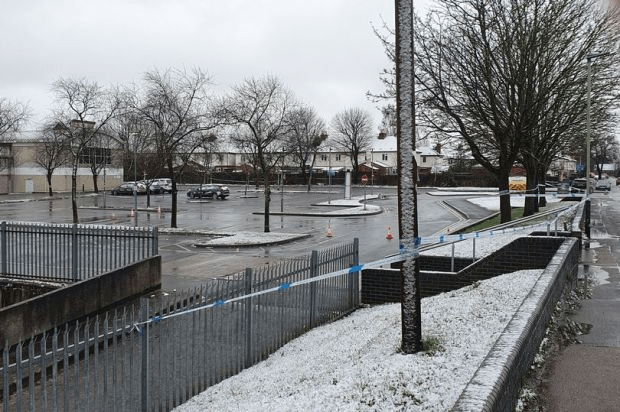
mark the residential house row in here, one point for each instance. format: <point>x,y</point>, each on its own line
<point>20,172</point>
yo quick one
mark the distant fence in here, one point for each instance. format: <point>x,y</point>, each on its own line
<point>71,252</point>
<point>171,348</point>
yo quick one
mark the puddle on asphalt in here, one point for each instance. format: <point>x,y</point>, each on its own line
<point>597,275</point>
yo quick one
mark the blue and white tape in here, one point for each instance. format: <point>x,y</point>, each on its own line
<point>406,251</point>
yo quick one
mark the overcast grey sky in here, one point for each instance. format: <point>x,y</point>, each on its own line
<point>323,50</point>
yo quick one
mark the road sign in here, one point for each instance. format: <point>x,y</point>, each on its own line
<point>581,167</point>
<point>364,179</point>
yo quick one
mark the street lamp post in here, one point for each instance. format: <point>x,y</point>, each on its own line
<point>589,58</point>
<point>329,175</point>
<point>588,125</point>
<point>372,172</point>
<point>135,187</point>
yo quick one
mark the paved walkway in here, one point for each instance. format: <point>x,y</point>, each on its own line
<point>586,377</point>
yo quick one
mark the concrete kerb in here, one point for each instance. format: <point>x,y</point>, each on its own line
<point>495,385</point>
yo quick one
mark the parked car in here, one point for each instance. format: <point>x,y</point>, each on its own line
<point>127,188</point>
<point>153,186</point>
<point>209,191</point>
<point>603,184</point>
<point>580,183</point>
<point>165,184</point>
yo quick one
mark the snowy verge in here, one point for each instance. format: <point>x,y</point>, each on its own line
<point>355,364</point>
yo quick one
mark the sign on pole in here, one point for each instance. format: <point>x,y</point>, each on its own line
<point>364,179</point>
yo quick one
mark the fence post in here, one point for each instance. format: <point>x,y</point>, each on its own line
<point>355,290</point>
<point>248,318</point>
<point>155,250</point>
<point>3,247</point>
<point>74,253</point>
<point>314,271</point>
<point>452,260</point>
<point>144,304</point>
<point>473,258</point>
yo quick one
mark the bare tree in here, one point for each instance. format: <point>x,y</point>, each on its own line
<point>352,134</point>
<point>605,151</point>
<point>175,106</point>
<point>260,107</point>
<point>209,148</point>
<point>12,117</point>
<point>562,37</point>
<point>307,134</point>
<point>51,153</point>
<point>83,110</point>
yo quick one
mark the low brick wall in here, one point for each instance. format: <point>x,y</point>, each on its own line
<point>55,308</point>
<point>384,285</point>
<point>496,384</point>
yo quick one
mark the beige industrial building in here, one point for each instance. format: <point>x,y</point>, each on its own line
<point>20,173</point>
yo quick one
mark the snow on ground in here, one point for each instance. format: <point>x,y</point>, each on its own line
<point>248,239</point>
<point>355,364</point>
<point>492,203</point>
<point>484,246</point>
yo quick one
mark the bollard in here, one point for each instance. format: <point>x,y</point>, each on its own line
<point>587,218</point>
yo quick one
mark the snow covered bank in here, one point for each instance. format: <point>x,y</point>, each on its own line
<point>355,364</point>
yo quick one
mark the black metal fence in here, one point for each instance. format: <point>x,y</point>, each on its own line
<point>71,252</point>
<point>157,355</point>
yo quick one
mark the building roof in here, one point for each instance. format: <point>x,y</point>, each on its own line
<point>390,144</point>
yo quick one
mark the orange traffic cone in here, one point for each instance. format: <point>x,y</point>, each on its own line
<point>389,235</point>
<point>329,232</point>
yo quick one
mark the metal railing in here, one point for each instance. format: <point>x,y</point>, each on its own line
<point>71,252</point>
<point>172,347</point>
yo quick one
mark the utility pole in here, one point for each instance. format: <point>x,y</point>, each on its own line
<point>407,170</point>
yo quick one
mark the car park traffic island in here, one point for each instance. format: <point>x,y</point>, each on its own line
<point>248,239</point>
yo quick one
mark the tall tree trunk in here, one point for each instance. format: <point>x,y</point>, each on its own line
<point>503,185</point>
<point>49,184</point>
<point>267,199</point>
<point>542,180</point>
<point>96,182</point>
<point>531,186</point>
<point>173,207</point>
<point>74,196</point>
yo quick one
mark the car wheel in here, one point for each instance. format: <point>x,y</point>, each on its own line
<point>218,195</point>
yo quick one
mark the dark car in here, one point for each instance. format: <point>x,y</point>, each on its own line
<point>127,189</point>
<point>209,191</point>
<point>123,189</point>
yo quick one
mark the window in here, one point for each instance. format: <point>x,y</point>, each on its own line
<point>338,156</point>
<point>96,156</point>
<point>423,159</point>
<point>384,157</point>
<point>323,158</point>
